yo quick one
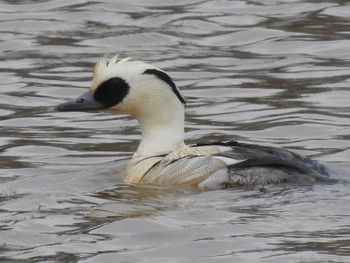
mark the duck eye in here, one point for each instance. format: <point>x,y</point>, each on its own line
<point>80,100</point>
<point>111,92</point>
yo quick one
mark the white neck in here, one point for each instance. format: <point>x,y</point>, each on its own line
<point>162,129</point>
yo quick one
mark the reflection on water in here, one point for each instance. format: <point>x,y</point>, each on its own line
<point>127,201</point>
<point>273,72</point>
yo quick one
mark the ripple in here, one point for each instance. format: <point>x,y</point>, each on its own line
<point>136,39</point>
<point>339,11</point>
<point>335,99</point>
<point>336,49</point>
<point>242,38</point>
<point>36,151</point>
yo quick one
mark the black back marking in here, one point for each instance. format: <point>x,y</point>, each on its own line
<point>111,92</point>
<point>165,77</point>
<point>229,143</point>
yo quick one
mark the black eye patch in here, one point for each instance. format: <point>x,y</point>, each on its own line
<point>165,77</point>
<point>111,92</point>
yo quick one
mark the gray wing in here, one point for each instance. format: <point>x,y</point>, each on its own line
<point>266,164</point>
<point>266,155</point>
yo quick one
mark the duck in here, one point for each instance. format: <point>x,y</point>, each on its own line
<point>148,94</point>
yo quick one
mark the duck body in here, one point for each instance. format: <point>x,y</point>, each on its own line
<point>221,165</point>
<point>149,95</point>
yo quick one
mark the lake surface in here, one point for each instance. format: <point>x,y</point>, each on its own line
<point>270,72</point>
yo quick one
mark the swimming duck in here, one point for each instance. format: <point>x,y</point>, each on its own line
<point>149,95</point>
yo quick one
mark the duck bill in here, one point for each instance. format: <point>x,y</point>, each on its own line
<point>85,102</point>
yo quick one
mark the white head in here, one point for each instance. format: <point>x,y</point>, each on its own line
<point>141,90</point>
<point>127,87</point>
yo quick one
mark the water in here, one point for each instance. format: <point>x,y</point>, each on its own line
<point>272,72</point>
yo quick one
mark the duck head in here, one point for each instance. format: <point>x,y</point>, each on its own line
<point>125,87</point>
<point>141,90</point>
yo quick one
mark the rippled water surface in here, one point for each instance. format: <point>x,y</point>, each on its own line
<point>270,72</point>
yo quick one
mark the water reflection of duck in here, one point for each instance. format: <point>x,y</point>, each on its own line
<point>148,94</point>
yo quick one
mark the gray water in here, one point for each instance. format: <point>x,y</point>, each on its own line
<point>270,72</point>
